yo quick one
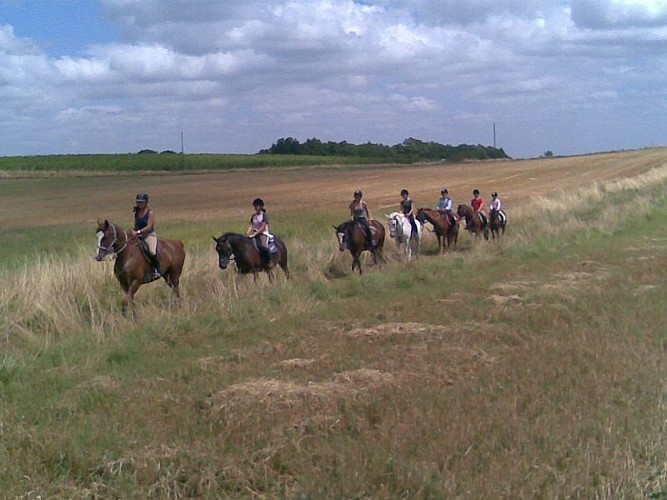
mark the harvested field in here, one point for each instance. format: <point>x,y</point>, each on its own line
<point>225,195</point>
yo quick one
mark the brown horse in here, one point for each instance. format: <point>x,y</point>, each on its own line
<point>131,267</point>
<point>497,224</point>
<point>446,232</point>
<point>244,252</point>
<point>351,236</point>
<point>474,222</point>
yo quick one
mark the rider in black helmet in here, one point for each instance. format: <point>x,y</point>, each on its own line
<point>359,212</point>
<point>144,229</point>
<point>408,209</point>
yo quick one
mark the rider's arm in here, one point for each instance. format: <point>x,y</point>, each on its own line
<point>368,212</point>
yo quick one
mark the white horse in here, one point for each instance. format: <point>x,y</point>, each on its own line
<point>401,230</point>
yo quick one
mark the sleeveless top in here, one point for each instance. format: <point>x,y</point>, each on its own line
<point>359,212</point>
<point>142,222</point>
<point>406,206</point>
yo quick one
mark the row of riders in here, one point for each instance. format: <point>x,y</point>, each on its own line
<point>140,258</point>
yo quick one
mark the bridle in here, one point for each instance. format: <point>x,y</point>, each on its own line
<point>110,249</point>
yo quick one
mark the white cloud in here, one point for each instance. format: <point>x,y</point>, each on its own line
<point>243,74</point>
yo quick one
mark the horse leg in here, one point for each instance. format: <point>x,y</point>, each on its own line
<point>283,266</point>
<point>173,283</point>
<point>128,303</point>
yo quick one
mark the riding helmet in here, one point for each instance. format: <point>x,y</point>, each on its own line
<point>444,191</point>
<point>404,192</point>
<point>142,197</point>
<point>358,193</point>
<point>494,194</point>
<point>258,202</point>
<point>475,191</point>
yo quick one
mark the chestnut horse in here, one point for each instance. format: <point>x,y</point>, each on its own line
<point>474,222</point>
<point>446,232</point>
<point>131,267</point>
<point>244,252</point>
<point>497,224</point>
<point>352,236</point>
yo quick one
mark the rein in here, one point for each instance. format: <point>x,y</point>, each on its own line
<point>110,249</point>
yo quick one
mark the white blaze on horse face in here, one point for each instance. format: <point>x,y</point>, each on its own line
<point>341,239</point>
<point>100,236</point>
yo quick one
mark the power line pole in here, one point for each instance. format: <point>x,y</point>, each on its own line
<point>494,135</point>
<point>182,152</point>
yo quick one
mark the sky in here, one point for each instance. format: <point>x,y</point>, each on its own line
<point>229,76</point>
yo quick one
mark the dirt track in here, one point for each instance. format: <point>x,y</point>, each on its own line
<point>224,195</point>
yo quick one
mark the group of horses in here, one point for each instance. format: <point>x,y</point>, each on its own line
<point>132,268</point>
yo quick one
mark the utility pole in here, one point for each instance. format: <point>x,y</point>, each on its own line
<point>494,135</point>
<point>182,152</point>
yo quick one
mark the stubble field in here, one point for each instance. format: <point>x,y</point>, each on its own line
<point>530,368</point>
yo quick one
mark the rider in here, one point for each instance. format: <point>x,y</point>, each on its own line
<point>259,228</point>
<point>144,229</point>
<point>444,206</point>
<point>497,205</point>
<point>360,213</point>
<point>477,204</point>
<point>408,210</point>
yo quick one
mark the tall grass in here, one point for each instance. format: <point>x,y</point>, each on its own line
<point>534,367</point>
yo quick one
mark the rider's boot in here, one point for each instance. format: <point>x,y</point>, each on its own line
<point>265,256</point>
<point>155,268</point>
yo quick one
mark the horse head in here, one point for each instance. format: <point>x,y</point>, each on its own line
<point>343,235</point>
<point>420,215</point>
<point>395,222</point>
<point>107,237</point>
<point>465,211</point>
<point>224,249</point>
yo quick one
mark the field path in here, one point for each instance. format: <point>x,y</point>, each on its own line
<point>228,194</point>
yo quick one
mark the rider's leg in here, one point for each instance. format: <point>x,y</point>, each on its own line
<point>369,234</point>
<point>151,241</point>
<point>264,252</point>
<point>413,224</point>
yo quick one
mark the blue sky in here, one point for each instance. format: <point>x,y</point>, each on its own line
<point>117,76</point>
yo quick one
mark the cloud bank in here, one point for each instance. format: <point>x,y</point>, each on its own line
<point>568,76</point>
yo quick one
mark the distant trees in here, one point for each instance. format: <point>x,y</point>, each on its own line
<point>410,150</point>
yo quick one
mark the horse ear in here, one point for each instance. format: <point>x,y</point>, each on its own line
<point>106,224</point>
<point>214,239</point>
<point>335,228</point>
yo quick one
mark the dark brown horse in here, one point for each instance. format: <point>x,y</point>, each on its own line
<point>352,236</point>
<point>446,232</point>
<point>497,224</point>
<point>131,267</point>
<point>474,223</point>
<point>244,252</point>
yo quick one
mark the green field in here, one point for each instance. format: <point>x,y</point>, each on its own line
<point>530,368</point>
<point>166,162</point>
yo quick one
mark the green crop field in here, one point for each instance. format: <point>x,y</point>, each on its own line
<point>167,162</point>
<point>534,367</point>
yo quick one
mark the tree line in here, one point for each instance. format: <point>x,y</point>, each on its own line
<point>410,150</point>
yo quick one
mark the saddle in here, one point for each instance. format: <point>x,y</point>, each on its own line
<point>272,244</point>
<point>143,246</point>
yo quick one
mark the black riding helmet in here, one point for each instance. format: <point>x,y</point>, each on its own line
<point>444,191</point>
<point>494,195</point>
<point>404,192</point>
<point>258,202</point>
<point>142,197</point>
<point>475,191</point>
<point>358,193</point>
